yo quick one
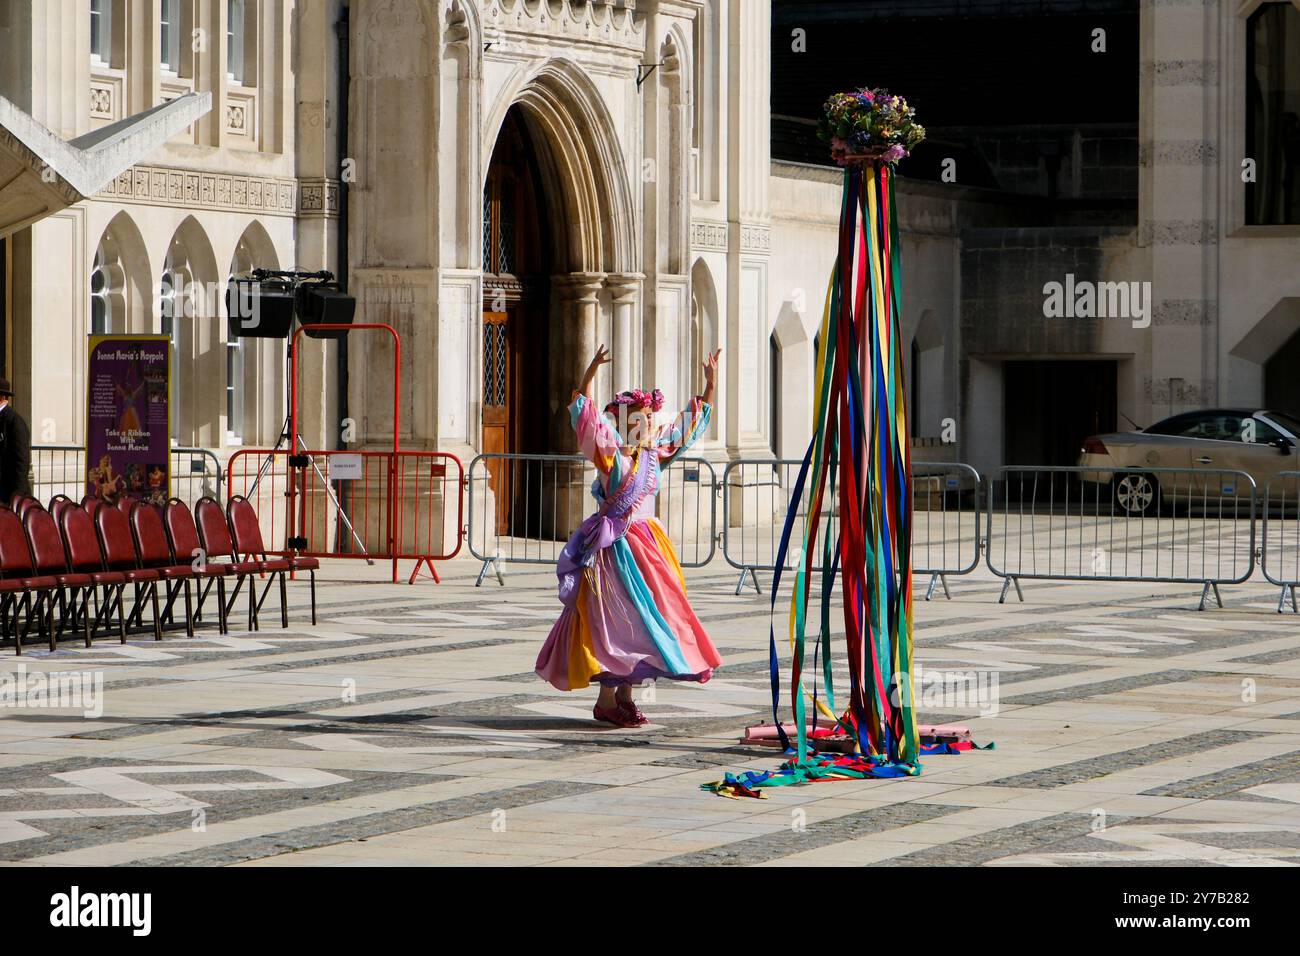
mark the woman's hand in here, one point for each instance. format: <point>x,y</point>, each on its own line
<point>601,357</point>
<point>710,376</point>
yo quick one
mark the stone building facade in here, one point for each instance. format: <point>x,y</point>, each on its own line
<point>507,183</point>
<point>1196,200</point>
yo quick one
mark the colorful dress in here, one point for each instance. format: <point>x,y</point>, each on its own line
<point>626,617</point>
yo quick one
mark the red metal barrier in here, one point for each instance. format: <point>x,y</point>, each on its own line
<point>386,506</point>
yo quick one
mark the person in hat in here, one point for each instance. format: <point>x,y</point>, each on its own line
<point>15,448</point>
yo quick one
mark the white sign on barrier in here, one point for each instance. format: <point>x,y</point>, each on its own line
<point>346,467</point>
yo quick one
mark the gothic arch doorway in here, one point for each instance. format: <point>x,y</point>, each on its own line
<point>517,264</point>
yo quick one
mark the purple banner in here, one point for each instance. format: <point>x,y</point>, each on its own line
<point>128,428</point>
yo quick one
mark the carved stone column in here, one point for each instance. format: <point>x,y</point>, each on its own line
<point>624,290</point>
<point>565,499</point>
<point>579,297</point>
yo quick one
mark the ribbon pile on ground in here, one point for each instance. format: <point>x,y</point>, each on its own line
<point>860,448</point>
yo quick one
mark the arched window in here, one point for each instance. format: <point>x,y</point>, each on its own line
<point>774,395</point>
<point>237,353</point>
<point>702,336</point>
<point>253,374</point>
<point>178,297</point>
<point>101,305</point>
<point>694,340</point>
<point>120,288</point>
<point>187,304</point>
<point>170,311</point>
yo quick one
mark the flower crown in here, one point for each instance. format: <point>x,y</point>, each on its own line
<point>636,398</point>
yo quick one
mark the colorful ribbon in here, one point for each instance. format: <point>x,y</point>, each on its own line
<point>860,446</point>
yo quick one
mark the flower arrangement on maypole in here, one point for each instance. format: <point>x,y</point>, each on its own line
<point>859,456</point>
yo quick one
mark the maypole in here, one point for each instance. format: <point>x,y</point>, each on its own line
<point>857,466</point>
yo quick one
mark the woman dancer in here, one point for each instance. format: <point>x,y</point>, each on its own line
<point>626,618</point>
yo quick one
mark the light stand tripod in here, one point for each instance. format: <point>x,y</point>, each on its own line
<point>295,459</point>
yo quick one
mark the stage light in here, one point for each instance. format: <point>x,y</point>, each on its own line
<point>323,303</point>
<point>259,310</point>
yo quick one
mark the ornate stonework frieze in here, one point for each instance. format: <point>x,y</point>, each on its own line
<point>607,22</point>
<point>756,239</point>
<point>166,186</point>
<point>708,235</point>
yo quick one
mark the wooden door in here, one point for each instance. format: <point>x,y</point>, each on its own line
<point>497,427</point>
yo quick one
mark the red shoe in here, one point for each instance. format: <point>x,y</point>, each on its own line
<point>630,709</point>
<point>616,716</point>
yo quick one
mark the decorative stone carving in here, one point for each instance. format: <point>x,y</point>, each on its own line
<point>101,102</point>
<point>608,22</point>
<point>669,61</point>
<point>162,186</point>
<point>756,239</point>
<point>457,29</point>
<point>318,198</point>
<point>708,236</point>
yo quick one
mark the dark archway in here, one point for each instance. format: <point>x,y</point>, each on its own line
<point>518,245</point>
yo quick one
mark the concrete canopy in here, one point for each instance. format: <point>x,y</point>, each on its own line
<point>41,174</point>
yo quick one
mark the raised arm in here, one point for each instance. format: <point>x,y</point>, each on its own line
<point>597,441</point>
<point>589,377</point>
<point>693,420</point>
<point>710,376</point>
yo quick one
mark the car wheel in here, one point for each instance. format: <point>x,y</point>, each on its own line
<point>1137,495</point>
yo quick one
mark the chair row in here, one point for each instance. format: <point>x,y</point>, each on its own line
<point>71,555</point>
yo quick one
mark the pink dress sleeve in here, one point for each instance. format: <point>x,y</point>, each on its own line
<point>597,440</point>
<point>674,439</point>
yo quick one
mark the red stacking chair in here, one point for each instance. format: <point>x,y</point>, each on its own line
<point>21,583</point>
<point>126,503</point>
<point>59,504</point>
<point>183,536</point>
<point>24,503</point>
<point>91,505</point>
<point>217,543</point>
<point>51,559</point>
<point>119,555</point>
<point>154,551</point>
<point>85,557</point>
<point>246,531</point>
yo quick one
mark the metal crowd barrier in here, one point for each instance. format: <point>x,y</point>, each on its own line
<point>945,531</point>
<point>1168,525</point>
<point>756,496</point>
<point>1279,538</point>
<point>523,508</point>
<point>196,473</point>
<point>61,470</point>
<point>369,505</point>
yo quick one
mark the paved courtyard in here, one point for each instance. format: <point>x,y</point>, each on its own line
<point>408,728</point>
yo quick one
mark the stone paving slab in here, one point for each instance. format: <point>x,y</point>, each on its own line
<point>408,728</point>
